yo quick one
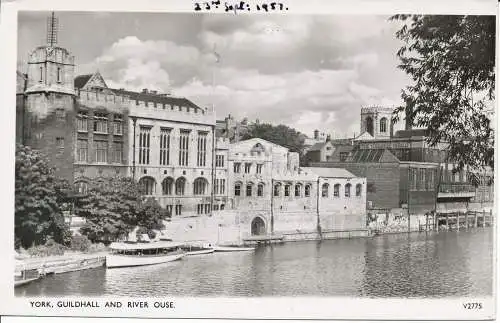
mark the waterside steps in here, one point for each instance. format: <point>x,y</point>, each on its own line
<point>263,239</point>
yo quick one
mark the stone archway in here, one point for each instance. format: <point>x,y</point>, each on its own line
<point>258,227</point>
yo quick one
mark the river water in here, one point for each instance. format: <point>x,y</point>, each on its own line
<point>445,264</point>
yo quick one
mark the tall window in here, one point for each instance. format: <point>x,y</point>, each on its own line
<point>41,74</point>
<point>221,186</point>
<point>59,75</point>
<point>202,149</point>
<point>358,189</point>
<point>413,179</point>
<point>117,152</point>
<point>118,125</point>
<point>199,186</point>
<point>421,179</point>
<point>237,189</point>
<point>183,148</point>
<point>383,125</point>
<point>298,189</point>
<point>144,144</point>
<point>430,179</point>
<point>307,190</point>
<point>178,209</point>
<point>100,123</point>
<point>347,190</point>
<point>249,189</point>
<point>219,161</point>
<point>247,167</point>
<point>82,122</point>
<point>324,190</point>
<point>82,150</point>
<point>336,190</point>
<point>277,189</point>
<point>166,186</point>
<point>148,185</point>
<point>180,184</point>
<point>287,189</point>
<point>101,151</point>
<point>260,189</point>
<point>237,167</point>
<point>259,169</point>
<point>165,146</point>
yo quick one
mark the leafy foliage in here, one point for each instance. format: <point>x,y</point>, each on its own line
<point>451,61</point>
<point>38,194</point>
<point>151,216</point>
<point>110,208</point>
<point>50,248</point>
<point>280,135</point>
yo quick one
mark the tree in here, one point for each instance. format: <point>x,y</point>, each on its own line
<point>150,216</point>
<point>451,61</point>
<point>38,196</point>
<point>110,208</point>
<point>280,135</point>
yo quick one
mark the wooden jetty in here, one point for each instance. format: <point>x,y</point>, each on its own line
<point>263,239</point>
<point>457,220</point>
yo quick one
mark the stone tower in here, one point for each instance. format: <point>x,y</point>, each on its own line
<point>49,100</point>
<point>377,122</point>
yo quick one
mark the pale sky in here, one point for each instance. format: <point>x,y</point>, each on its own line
<point>308,72</point>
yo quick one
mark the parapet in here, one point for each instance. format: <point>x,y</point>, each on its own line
<point>375,109</point>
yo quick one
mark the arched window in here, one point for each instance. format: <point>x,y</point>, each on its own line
<point>180,185</point>
<point>277,189</point>
<point>249,189</point>
<point>324,190</point>
<point>369,125</point>
<point>237,189</point>
<point>307,190</point>
<point>336,190</point>
<point>383,125</point>
<point>358,189</point>
<point>199,186</point>
<point>81,187</point>
<point>298,190</point>
<point>347,190</point>
<point>148,185</point>
<point>167,185</point>
<point>260,189</point>
<point>287,189</point>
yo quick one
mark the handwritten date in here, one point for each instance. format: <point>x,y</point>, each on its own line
<point>239,6</point>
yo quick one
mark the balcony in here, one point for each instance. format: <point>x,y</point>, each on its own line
<point>451,190</point>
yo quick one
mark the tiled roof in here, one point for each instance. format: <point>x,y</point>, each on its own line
<point>329,172</point>
<point>156,98</point>
<point>81,80</point>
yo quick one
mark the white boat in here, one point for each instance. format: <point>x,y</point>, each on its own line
<point>232,249</point>
<point>143,253</point>
<point>197,248</point>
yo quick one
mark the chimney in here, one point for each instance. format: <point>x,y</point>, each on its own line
<point>316,134</point>
<point>144,90</point>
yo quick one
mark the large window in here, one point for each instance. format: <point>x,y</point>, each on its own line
<point>117,152</point>
<point>144,144</point>
<point>260,189</point>
<point>117,125</point>
<point>100,123</point>
<point>336,190</point>
<point>358,189</point>
<point>287,189</point>
<point>249,189</point>
<point>82,122</point>
<point>324,190</point>
<point>184,148</point>
<point>248,166</point>
<point>383,125</point>
<point>165,146</point>
<point>201,159</point>
<point>307,190</point>
<point>180,185</point>
<point>82,150</point>
<point>347,190</point>
<point>237,167</point>
<point>259,169</point>
<point>237,189</point>
<point>277,189</point>
<point>219,161</point>
<point>166,186</point>
<point>220,186</point>
<point>298,190</point>
<point>101,151</point>
<point>199,186</point>
<point>178,209</point>
<point>148,185</point>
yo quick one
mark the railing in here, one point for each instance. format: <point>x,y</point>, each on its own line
<point>456,188</point>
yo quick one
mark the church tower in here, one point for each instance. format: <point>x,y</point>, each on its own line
<point>49,101</point>
<point>376,121</point>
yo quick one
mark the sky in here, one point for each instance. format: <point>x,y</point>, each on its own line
<point>305,71</point>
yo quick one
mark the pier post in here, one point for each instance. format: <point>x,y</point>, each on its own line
<point>458,221</point>
<point>447,222</point>
<point>436,222</point>
<point>484,218</point>
<point>466,221</point>
<point>426,222</point>
<point>491,217</point>
<point>475,219</point>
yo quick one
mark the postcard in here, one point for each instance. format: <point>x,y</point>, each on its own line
<point>249,159</point>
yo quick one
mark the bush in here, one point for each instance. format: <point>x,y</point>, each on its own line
<point>50,248</point>
<point>80,243</point>
<point>97,247</point>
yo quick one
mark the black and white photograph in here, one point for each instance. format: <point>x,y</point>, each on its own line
<point>249,151</point>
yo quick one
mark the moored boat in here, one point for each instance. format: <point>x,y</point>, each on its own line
<point>142,254</point>
<point>232,248</point>
<point>197,248</point>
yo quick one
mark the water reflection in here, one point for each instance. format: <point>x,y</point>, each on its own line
<point>446,264</point>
